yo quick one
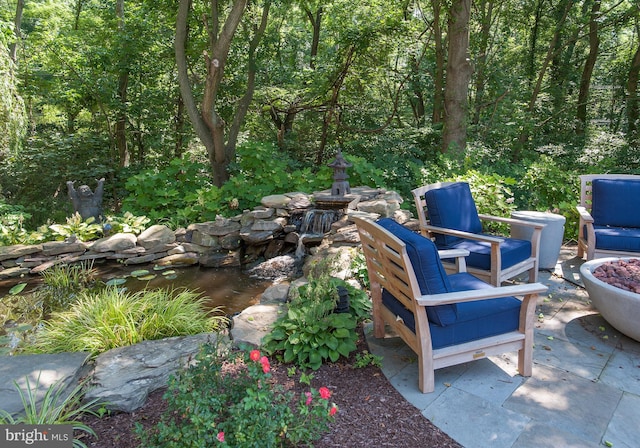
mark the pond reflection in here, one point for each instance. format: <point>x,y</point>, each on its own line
<point>229,288</point>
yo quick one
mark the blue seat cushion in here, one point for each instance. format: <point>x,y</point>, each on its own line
<point>616,202</point>
<point>476,320</point>
<point>431,276</point>
<point>512,251</point>
<point>617,238</point>
<point>452,207</point>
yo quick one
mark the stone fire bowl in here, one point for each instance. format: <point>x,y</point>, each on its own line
<point>619,307</point>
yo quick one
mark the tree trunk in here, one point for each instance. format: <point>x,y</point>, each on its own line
<point>208,125</point>
<point>13,47</point>
<point>454,138</point>
<point>123,81</point>
<point>438,78</point>
<point>632,100</point>
<point>486,18</point>
<point>585,81</point>
<point>316,21</point>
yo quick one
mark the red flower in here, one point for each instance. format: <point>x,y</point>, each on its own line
<point>324,393</point>
<point>308,394</point>
<point>265,364</point>
<point>254,355</point>
<point>333,410</point>
<point>220,436</point>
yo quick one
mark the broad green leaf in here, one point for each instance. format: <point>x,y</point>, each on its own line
<point>17,289</point>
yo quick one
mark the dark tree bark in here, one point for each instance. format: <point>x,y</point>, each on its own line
<point>438,79</point>
<point>17,29</point>
<point>123,82</point>
<point>454,138</point>
<point>486,18</point>
<point>316,21</point>
<point>633,114</point>
<point>585,81</point>
<point>208,125</point>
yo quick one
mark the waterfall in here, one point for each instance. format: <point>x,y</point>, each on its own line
<point>318,221</point>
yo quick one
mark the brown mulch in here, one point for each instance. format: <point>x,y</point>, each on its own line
<point>372,413</point>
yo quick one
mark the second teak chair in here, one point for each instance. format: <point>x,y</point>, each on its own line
<point>448,214</point>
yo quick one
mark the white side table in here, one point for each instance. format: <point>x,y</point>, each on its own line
<point>550,238</point>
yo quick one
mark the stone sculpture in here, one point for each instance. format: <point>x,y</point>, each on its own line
<point>85,201</point>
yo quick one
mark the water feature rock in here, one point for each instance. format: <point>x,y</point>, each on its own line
<point>115,243</point>
<point>263,213</point>
<point>185,259</point>
<point>156,235</point>
<point>62,247</point>
<point>253,323</point>
<point>205,239</point>
<point>275,201</point>
<point>379,206</point>
<point>220,259</point>
<point>49,369</point>
<point>13,272</point>
<point>125,376</point>
<point>18,250</point>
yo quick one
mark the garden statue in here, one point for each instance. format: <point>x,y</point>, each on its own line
<point>86,202</point>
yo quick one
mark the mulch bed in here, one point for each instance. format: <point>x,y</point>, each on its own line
<point>372,413</point>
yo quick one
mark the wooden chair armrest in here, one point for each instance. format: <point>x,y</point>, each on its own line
<point>511,221</point>
<point>481,294</point>
<point>585,216</point>
<point>453,253</point>
<point>460,256</point>
<point>461,234</point>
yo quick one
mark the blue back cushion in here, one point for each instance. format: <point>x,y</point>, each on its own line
<point>452,207</point>
<point>616,202</point>
<point>431,276</point>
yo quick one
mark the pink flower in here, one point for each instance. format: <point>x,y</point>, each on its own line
<point>220,436</point>
<point>265,364</point>
<point>254,355</point>
<point>308,394</point>
<point>324,393</point>
<point>333,410</point>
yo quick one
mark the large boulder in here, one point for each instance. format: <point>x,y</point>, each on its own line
<point>125,376</point>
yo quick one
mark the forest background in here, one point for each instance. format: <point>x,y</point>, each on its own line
<point>192,109</point>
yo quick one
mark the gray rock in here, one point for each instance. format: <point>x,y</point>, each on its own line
<point>125,376</point>
<point>156,235</point>
<point>221,226</point>
<point>275,294</point>
<point>379,206</point>
<point>13,272</point>
<point>205,239</point>
<point>220,259</point>
<point>186,259</point>
<point>264,213</point>
<point>62,247</point>
<point>41,370</point>
<point>254,323</point>
<point>275,201</point>
<point>115,243</point>
<point>18,250</point>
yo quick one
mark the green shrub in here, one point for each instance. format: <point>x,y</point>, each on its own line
<point>229,399</point>
<point>311,332</point>
<point>112,318</point>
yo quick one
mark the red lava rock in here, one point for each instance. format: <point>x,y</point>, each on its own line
<point>623,274</point>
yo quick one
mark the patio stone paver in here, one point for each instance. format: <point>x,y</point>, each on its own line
<point>623,429</point>
<point>584,392</point>
<point>478,423</point>
<point>566,401</point>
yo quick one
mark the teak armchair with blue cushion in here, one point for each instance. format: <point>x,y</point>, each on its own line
<point>609,215</point>
<point>448,213</point>
<point>444,319</point>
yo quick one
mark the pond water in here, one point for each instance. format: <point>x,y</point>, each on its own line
<point>229,288</point>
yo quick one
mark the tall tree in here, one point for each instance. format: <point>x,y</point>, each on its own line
<point>123,81</point>
<point>207,120</point>
<point>587,71</point>
<point>459,69</point>
<point>633,105</point>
